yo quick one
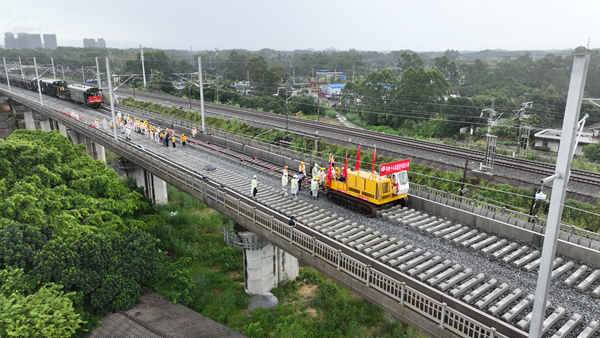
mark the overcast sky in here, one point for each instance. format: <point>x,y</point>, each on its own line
<point>421,25</point>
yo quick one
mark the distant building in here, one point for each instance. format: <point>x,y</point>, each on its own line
<point>50,41</point>
<point>26,40</point>
<point>549,140</point>
<point>329,75</point>
<point>9,41</point>
<point>29,40</point>
<point>89,43</point>
<point>332,90</point>
<point>92,43</point>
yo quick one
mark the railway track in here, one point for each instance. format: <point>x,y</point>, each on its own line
<point>499,299</point>
<point>541,168</point>
<point>474,293</point>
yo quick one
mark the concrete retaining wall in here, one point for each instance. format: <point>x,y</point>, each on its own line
<point>584,255</point>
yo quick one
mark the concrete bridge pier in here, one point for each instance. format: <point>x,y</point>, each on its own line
<point>265,265</point>
<point>45,125</point>
<point>154,187</point>
<point>62,129</point>
<point>29,121</point>
<point>7,118</point>
<point>95,150</point>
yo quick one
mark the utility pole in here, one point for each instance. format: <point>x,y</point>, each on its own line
<point>53,69</point>
<point>98,77</point>
<point>189,95</point>
<point>217,77</point>
<point>62,68</point>
<point>201,92</point>
<point>568,143</point>
<point>248,76</point>
<point>143,66</point>
<point>464,178</point>
<point>21,67</point>
<point>82,74</point>
<point>318,98</point>
<point>112,99</point>
<point>6,73</point>
<point>37,77</point>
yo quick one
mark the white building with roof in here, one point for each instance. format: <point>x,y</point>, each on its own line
<point>549,140</point>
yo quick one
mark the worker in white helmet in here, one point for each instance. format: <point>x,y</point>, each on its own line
<point>254,186</point>
<point>301,174</point>
<point>294,187</point>
<point>284,183</point>
<point>314,188</point>
<point>315,170</point>
<point>285,171</point>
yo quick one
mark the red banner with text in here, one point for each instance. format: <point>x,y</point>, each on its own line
<point>393,167</point>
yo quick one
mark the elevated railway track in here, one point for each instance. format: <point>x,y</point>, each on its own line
<point>412,279</point>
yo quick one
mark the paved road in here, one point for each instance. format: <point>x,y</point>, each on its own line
<point>155,316</point>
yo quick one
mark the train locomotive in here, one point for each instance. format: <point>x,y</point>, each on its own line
<point>80,93</point>
<point>368,191</point>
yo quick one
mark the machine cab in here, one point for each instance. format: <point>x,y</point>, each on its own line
<point>400,183</point>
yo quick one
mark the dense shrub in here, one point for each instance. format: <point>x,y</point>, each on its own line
<point>69,223</point>
<point>29,311</point>
<point>592,152</point>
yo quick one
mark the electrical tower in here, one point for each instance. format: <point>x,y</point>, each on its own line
<point>490,150</point>
<point>524,130</point>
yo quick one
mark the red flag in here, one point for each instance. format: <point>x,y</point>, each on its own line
<point>346,167</point>
<point>357,166</point>
<point>373,162</point>
<point>329,173</point>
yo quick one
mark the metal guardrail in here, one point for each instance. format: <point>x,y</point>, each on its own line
<point>393,285</point>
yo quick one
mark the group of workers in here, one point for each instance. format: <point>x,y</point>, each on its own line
<point>295,183</point>
<point>127,124</point>
<point>317,180</point>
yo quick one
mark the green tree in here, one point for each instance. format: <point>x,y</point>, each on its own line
<point>26,312</point>
<point>592,152</point>
<point>237,65</point>
<point>410,59</point>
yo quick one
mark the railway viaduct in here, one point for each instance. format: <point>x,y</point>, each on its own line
<point>271,226</point>
<point>408,299</point>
